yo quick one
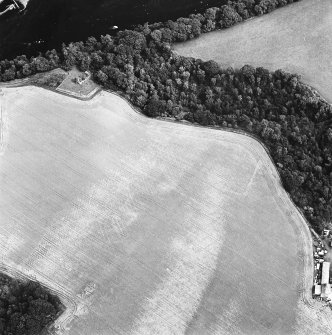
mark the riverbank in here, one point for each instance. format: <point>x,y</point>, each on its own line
<point>62,21</point>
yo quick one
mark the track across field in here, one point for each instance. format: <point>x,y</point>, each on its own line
<point>149,227</point>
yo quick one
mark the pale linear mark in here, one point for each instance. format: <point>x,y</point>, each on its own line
<point>251,181</point>
<point>2,124</point>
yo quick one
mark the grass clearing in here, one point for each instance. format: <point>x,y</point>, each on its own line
<point>71,87</point>
<point>296,38</point>
<point>150,227</point>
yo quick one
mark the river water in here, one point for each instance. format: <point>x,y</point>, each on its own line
<point>45,24</point>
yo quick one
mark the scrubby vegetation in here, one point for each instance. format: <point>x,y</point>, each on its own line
<point>287,116</point>
<point>26,308</point>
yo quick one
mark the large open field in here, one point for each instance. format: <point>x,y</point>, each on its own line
<point>296,38</point>
<point>149,227</point>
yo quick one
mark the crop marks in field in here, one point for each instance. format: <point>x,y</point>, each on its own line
<point>147,226</point>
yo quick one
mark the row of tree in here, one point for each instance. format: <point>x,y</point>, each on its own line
<point>163,32</point>
<point>22,67</point>
<point>171,31</point>
<point>287,116</point>
<point>212,19</point>
<point>26,308</point>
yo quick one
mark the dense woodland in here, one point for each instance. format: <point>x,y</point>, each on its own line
<point>26,308</point>
<point>294,123</point>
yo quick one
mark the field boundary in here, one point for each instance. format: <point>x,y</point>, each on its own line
<point>68,93</point>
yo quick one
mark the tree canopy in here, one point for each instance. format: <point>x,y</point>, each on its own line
<point>26,308</point>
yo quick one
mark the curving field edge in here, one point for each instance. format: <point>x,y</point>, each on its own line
<point>300,226</point>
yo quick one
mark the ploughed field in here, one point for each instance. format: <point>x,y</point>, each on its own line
<point>149,227</point>
<point>296,38</point>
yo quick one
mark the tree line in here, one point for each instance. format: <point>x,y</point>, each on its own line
<point>169,32</point>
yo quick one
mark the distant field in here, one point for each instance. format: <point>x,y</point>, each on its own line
<point>297,38</point>
<point>148,227</point>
